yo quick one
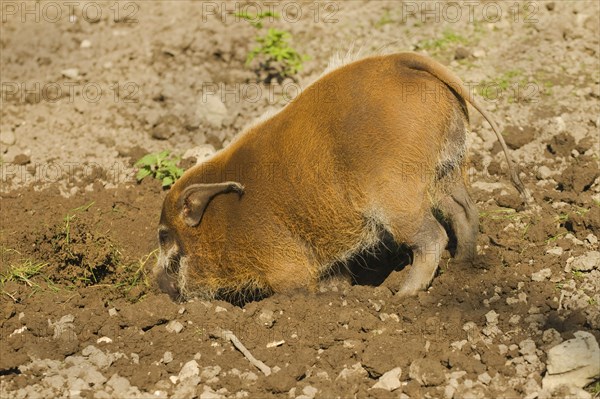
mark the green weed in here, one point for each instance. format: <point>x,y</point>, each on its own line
<point>447,38</point>
<point>273,51</point>
<point>161,166</point>
<point>385,19</point>
<point>70,217</point>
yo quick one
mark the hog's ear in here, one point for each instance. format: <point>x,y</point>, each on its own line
<point>195,198</point>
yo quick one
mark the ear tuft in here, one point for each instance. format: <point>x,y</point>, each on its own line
<point>195,198</point>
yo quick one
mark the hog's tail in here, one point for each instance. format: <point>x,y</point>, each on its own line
<point>421,63</point>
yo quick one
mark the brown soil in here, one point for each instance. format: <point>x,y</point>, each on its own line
<point>69,202</point>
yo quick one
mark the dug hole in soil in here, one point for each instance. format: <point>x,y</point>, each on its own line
<point>84,96</point>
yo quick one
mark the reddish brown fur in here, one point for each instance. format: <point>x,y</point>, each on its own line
<point>358,152</point>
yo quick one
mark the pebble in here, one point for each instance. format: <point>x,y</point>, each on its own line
<point>427,372</point>
<point>166,127</point>
<point>575,362</point>
<point>543,173</point>
<point>542,274</point>
<point>71,73</point>
<point>22,159</point>
<point>174,326</point>
<point>354,372</point>
<point>200,153</point>
<point>85,44</point>
<point>190,369</point>
<point>555,251</point>
<point>527,347</point>
<point>551,336</point>
<point>7,137</point>
<point>479,53</point>
<point>390,380</point>
<point>112,312</point>
<point>210,394</point>
<point>266,318</point>
<point>219,309</point>
<point>461,53</point>
<point>212,110</point>
<point>586,262</point>
<point>210,372</point>
<point>167,357</point>
<point>491,317</point>
<point>310,391</point>
<point>275,343</point>
<point>484,378</point>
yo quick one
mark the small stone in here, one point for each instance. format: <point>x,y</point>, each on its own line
<point>71,73</point>
<point>105,340</point>
<point>551,337</point>
<point>484,378</point>
<point>135,358</point>
<point>166,127</point>
<point>219,309</point>
<point>167,357</point>
<point>427,372</point>
<point>209,393</point>
<point>587,262</point>
<point>85,44</point>
<point>491,317</point>
<point>212,110</point>
<point>120,385</point>
<point>266,317</point>
<point>351,373</point>
<point>310,391</point>
<point>275,344</point>
<point>174,379</point>
<point>112,312</point>
<point>200,153</point>
<point>550,6</point>
<point>541,275</point>
<point>527,347</point>
<point>543,173</point>
<point>7,137</point>
<point>174,326</point>
<point>592,239</point>
<point>21,159</point>
<point>514,319</point>
<point>210,372</point>
<point>461,53</point>
<point>479,53</point>
<point>558,251</point>
<point>503,349</point>
<point>190,369</point>
<point>459,344</point>
<point>574,362</point>
<point>390,380</point>
<point>248,376</point>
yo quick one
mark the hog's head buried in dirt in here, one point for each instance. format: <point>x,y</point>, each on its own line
<point>374,146</point>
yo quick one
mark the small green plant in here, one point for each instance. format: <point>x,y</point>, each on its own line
<point>447,38</point>
<point>70,217</point>
<point>577,273</point>
<point>161,166</point>
<point>273,51</point>
<point>594,389</point>
<point>385,19</point>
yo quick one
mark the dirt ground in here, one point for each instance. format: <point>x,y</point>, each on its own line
<point>89,88</point>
